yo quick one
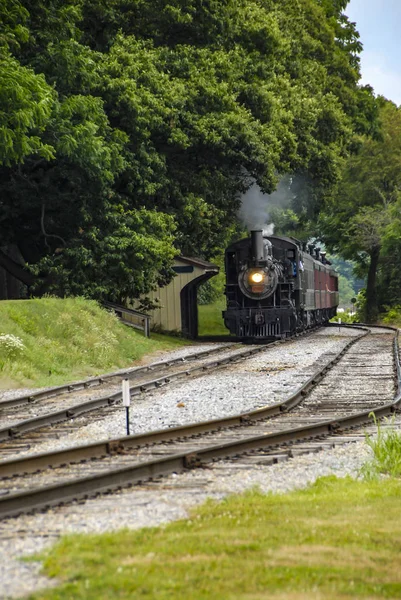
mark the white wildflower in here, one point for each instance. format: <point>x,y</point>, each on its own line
<point>10,345</point>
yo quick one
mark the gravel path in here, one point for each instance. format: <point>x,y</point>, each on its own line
<point>269,377</point>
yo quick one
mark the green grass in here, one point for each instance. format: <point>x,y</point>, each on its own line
<point>210,321</point>
<point>339,539</point>
<point>65,340</point>
<point>386,448</point>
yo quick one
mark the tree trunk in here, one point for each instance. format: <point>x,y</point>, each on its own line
<point>372,310</point>
<point>16,270</point>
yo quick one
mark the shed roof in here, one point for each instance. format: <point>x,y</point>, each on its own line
<point>198,262</point>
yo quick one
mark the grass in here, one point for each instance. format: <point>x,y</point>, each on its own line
<point>339,539</point>
<point>210,321</point>
<point>66,339</point>
<point>386,448</point>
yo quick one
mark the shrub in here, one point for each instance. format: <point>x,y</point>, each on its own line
<point>346,317</point>
<point>392,316</point>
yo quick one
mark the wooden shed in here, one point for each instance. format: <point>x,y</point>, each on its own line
<point>178,310</point>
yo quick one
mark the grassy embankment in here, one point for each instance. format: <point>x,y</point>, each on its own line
<point>339,539</point>
<point>54,341</point>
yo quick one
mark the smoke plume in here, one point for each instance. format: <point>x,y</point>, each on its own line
<point>256,206</point>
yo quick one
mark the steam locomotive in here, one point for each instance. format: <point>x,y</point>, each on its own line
<point>275,288</point>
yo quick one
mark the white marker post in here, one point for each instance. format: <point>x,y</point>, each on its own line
<point>339,323</point>
<point>126,401</point>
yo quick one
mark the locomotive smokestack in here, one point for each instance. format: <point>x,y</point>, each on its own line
<point>257,247</point>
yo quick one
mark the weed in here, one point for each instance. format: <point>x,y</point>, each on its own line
<point>10,345</point>
<point>386,448</point>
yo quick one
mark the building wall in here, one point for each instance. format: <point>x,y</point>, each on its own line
<point>168,315</point>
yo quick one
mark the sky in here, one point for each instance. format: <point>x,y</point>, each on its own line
<point>379,26</point>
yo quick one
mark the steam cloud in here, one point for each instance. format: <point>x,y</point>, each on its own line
<point>256,206</point>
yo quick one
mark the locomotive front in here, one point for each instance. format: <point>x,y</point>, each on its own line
<point>274,288</point>
<point>259,288</point>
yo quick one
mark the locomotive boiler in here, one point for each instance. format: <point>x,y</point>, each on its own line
<point>275,288</point>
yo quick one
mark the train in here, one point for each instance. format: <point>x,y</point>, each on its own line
<point>276,287</point>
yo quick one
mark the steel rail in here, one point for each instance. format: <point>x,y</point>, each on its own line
<point>35,462</point>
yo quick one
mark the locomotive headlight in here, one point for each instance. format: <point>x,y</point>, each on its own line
<point>257,277</point>
<point>258,283</point>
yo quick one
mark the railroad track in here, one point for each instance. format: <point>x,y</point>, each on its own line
<point>31,413</point>
<point>334,400</point>
<point>132,373</point>
<point>54,413</point>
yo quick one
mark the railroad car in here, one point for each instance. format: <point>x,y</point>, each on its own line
<point>276,286</point>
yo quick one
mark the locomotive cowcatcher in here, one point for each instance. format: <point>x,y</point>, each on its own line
<point>274,288</point>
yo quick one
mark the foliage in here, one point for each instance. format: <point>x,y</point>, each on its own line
<point>363,221</point>
<point>26,103</point>
<point>213,289</point>
<point>386,449</point>
<point>337,539</point>
<point>392,316</point>
<point>130,131</point>
<point>345,317</point>
<point>346,268</point>
<point>52,341</point>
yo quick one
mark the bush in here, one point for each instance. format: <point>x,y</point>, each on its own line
<point>346,317</point>
<point>361,306</point>
<point>392,316</point>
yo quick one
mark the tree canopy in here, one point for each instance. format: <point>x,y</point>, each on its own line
<point>363,220</point>
<point>129,129</point>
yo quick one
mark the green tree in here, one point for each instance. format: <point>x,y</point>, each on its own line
<point>363,218</point>
<point>157,116</point>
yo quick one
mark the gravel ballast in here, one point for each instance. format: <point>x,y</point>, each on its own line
<point>268,378</point>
